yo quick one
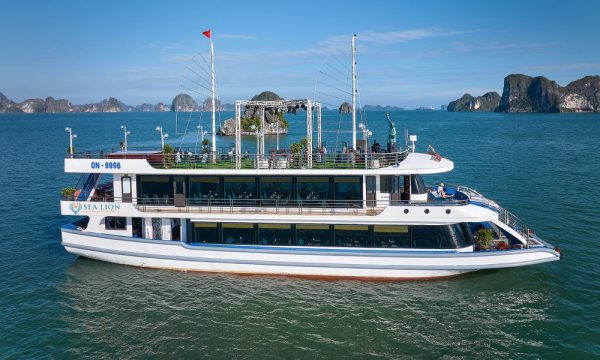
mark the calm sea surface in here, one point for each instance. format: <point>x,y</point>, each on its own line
<point>543,167</point>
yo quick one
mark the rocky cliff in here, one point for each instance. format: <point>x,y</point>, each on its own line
<point>107,105</point>
<point>185,103</point>
<point>275,121</point>
<point>49,105</point>
<point>345,108</point>
<point>52,105</point>
<point>581,95</point>
<point>524,93</point>
<point>537,94</point>
<point>486,102</point>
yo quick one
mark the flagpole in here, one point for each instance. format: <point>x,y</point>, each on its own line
<point>212,78</point>
<point>353,94</point>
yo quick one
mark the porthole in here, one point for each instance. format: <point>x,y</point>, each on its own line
<point>448,211</point>
<point>406,211</point>
<point>426,211</point>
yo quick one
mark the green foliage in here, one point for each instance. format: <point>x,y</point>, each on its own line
<point>266,96</point>
<point>168,149</point>
<point>484,237</point>
<point>247,124</point>
<point>69,149</point>
<point>122,145</point>
<point>296,148</point>
<point>206,145</point>
<point>304,143</point>
<point>68,191</point>
<point>283,119</point>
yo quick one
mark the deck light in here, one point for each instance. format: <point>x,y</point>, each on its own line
<point>125,133</point>
<point>71,137</point>
<point>413,140</point>
<point>163,136</point>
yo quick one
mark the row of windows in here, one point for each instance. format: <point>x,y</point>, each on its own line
<point>281,189</point>
<point>396,236</point>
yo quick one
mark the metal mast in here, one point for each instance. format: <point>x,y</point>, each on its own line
<point>353,94</point>
<point>212,78</point>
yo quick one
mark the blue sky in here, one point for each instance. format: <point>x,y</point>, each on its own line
<point>409,53</point>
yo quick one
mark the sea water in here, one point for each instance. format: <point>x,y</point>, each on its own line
<point>543,167</point>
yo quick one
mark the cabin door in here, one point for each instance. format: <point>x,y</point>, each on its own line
<point>179,190</point>
<point>126,189</point>
<point>371,191</point>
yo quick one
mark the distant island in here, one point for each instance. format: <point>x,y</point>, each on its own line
<point>181,102</point>
<point>524,93</point>
<point>275,121</point>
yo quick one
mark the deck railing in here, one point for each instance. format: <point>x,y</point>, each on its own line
<point>278,206</point>
<point>281,159</point>
<point>504,215</point>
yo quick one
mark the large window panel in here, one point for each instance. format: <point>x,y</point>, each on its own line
<point>347,191</point>
<point>313,190</point>
<point>241,190</point>
<point>391,236</point>
<point>432,237</point>
<point>276,190</point>
<point>351,235</point>
<point>155,189</point>
<point>115,223</point>
<point>205,233</point>
<point>313,235</point>
<point>238,234</point>
<point>274,234</point>
<point>417,184</point>
<point>204,189</point>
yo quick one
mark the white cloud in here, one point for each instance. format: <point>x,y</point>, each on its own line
<point>341,43</point>
<point>236,37</point>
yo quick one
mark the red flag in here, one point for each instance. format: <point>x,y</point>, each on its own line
<point>206,33</point>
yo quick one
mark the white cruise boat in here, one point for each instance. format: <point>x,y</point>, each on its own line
<point>363,212</point>
<point>347,215</point>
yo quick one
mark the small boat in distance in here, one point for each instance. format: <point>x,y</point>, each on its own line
<point>364,212</point>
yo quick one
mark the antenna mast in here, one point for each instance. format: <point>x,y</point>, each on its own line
<point>353,94</point>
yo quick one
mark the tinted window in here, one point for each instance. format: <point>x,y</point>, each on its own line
<point>115,223</point>
<point>240,189</point>
<point>276,189</point>
<point>312,189</point>
<point>313,235</point>
<point>417,184</point>
<point>274,234</point>
<point>155,189</point>
<point>396,236</point>
<point>347,190</point>
<point>205,233</point>
<point>351,235</point>
<point>238,233</point>
<point>440,237</point>
<point>385,183</point>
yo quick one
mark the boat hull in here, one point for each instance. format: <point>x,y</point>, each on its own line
<point>357,263</point>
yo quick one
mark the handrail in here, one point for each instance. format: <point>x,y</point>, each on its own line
<point>504,215</point>
<point>299,206</point>
<point>281,159</point>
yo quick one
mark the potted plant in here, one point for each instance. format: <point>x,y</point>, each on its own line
<point>68,192</point>
<point>484,238</point>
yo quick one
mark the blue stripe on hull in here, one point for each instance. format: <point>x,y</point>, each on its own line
<point>304,250</point>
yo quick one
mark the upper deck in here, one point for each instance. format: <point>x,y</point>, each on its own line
<point>187,163</point>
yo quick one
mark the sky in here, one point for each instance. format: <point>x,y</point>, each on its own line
<point>409,53</point>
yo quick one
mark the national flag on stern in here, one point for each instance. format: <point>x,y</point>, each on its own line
<point>206,33</point>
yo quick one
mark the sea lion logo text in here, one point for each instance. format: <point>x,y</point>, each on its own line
<point>77,207</point>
